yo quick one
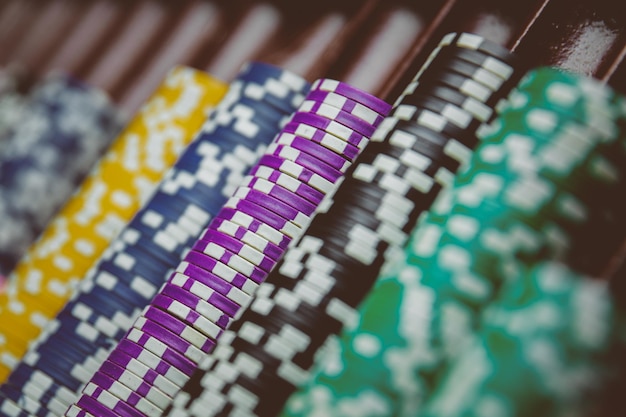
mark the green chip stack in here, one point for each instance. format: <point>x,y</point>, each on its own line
<point>545,185</point>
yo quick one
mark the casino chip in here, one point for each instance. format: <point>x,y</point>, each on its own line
<point>66,129</point>
<point>272,206</point>
<point>108,198</point>
<point>314,290</point>
<point>130,272</point>
<point>490,274</point>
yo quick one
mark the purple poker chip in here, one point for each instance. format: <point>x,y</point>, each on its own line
<point>246,236</point>
<point>337,115</point>
<point>143,347</point>
<point>346,104</point>
<point>288,182</point>
<point>264,215</point>
<point>141,379</point>
<point>337,129</point>
<point>110,401</point>
<point>155,317</point>
<point>254,225</point>
<point>205,308</point>
<point>76,411</point>
<point>297,171</point>
<point>231,259</point>
<point>202,298</point>
<point>240,248</point>
<point>168,300</point>
<point>353,93</point>
<point>222,270</point>
<point>92,406</point>
<point>281,208</point>
<point>338,161</point>
<point>128,352</point>
<point>184,314</point>
<point>327,140</point>
<point>126,395</point>
<point>161,331</point>
<point>201,282</point>
<point>305,160</point>
<point>214,266</point>
<point>219,268</point>
<point>280,193</point>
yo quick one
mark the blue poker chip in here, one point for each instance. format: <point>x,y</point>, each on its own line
<point>34,406</point>
<point>186,220</point>
<point>10,408</point>
<point>200,194</point>
<point>49,402</point>
<point>37,392</point>
<point>59,353</point>
<point>131,258</point>
<point>246,107</point>
<point>59,369</point>
<point>132,289</point>
<point>100,303</point>
<point>275,95</point>
<point>251,126</point>
<point>163,209</point>
<point>132,279</point>
<point>166,244</point>
<point>228,140</point>
<point>152,249</point>
<point>261,73</point>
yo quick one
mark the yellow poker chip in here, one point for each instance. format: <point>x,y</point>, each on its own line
<point>113,192</point>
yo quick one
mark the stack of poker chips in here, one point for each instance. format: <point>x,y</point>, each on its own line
<point>137,262</point>
<point>107,199</point>
<point>316,288</point>
<point>271,207</point>
<point>67,127</point>
<point>546,329</point>
<point>545,178</point>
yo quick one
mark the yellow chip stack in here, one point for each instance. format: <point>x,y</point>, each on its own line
<point>113,192</point>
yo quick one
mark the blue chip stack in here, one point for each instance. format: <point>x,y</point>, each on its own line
<point>137,263</point>
<point>67,127</point>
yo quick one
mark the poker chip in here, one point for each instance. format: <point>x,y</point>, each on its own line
<point>297,171</point>
<point>91,227</point>
<point>138,262</point>
<point>338,130</point>
<point>346,104</point>
<point>285,210</point>
<point>67,127</point>
<point>124,368</point>
<point>315,289</point>
<point>328,140</point>
<point>292,198</point>
<point>154,354</point>
<point>124,393</point>
<point>350,92</point>
<point>302,144</point>
<point>203,285</point>
<point>276,206</point>
<point>471,274</point>
<point>248,237</point>
<point>236,246</point>
<point>292,184</point>
<point>139,377</point>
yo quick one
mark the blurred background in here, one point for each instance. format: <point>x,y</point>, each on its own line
<point>125,47</point>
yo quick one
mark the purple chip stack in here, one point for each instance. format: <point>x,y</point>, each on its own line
<point>272,207</point>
